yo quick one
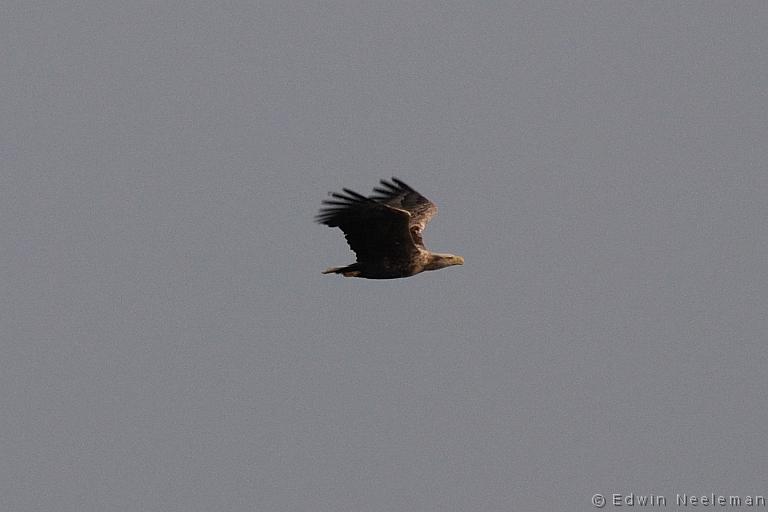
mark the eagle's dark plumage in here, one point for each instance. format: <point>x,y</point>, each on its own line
<point>384,230</point>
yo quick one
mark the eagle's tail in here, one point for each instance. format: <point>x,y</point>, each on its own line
<point>352,270</point>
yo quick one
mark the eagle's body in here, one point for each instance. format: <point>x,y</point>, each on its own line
<point>385,230</point>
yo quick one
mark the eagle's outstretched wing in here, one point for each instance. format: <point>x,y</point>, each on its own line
<point>373,229</point>
<point>399,195</point>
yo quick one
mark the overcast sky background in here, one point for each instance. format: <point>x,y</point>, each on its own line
<point>168,340</point>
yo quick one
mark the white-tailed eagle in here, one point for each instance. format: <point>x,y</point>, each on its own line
<point>384,230</point>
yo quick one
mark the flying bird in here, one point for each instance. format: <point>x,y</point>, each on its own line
<point>384,230</point>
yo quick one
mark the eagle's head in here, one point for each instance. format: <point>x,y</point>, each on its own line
<point>438,261</point>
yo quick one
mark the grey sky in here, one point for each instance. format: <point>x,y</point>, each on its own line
<point>170,344</point>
